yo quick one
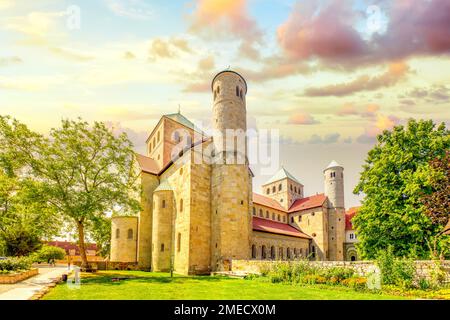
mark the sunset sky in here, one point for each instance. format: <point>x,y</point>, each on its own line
<point>329,75</point>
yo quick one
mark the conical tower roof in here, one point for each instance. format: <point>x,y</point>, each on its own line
<point>282,174</point>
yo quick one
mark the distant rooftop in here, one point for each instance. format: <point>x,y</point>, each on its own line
<point>282,174</point>
<point>178,117</point>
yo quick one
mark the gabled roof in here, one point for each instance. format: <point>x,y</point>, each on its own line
<point>280,175</point>
<point>349,216</point>
<point>147,164</point>
<point>178,117</point>
<point>267,202</point>
<point>308,203</point>
<point>270,226</point>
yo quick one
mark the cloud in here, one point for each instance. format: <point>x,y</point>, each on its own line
<point>327,32</point>
<point>206,64</point>
<point>395,73</point>
<point>376,127</point>
<point>7,61</point>
<point>133,9</point>
<point>350,109</point>
<point>35,25</point>
<point>435,94</point>
<point>328,139</point>
<point>170,48</point>
<point>71,54</point>
<point>224,19</point>
<point>198,87</point>
<point>301,119</point>
<point>138,138</point>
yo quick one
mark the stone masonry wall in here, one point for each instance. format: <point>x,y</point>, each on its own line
<point>362,268</point>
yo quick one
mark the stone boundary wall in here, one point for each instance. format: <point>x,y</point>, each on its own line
<point>17,277</point>
<point>362,268</point>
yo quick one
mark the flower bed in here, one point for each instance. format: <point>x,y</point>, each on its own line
<point>17,276</point>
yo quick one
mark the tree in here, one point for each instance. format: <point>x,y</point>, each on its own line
<point>49,254</point>
<point>25,216</point>
<point>437,201</point>
<point>392,181</point>
<point>84,171</point>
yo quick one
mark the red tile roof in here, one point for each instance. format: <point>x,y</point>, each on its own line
<point>71,246</point>
<point>147,164</point>
<point>308,203</point>
<point>270,226</point>
<point>349,216</point>
<point>266,201</point>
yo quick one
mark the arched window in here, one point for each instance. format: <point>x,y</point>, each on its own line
<point>288,253</point>
<point>295,253</point>
<point>279,187</point>
<point>267,215</point>
<point>176,136</point>
<point>162,247</point>
<point>292,219</point>
<point>279,218</point>
<point>273,216</point>
<point>117,233</point>
<point>254,211</point>
<point>179,242</point>
<point>253,252</point>
<point>237,91</point>
<point>268,190</point>
<point>130,233</point>
<point>274,189</point>
<point>158,136</point>
<point>280,253</point>
<point>163,204</point>
<point>284,218</point>
<point>291,187</point>
<point>263,252</point>
<point>242,95</point>
<point>181,205</point>
<point>272,253</point>
<point>313,251</point>
<point>261,213</point>
<point>218,89</point>
<point>295,189</point>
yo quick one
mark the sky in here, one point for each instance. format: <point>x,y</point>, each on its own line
<point>329,75</point>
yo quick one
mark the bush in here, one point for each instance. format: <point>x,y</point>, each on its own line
<point>396,271</point>
<point>337,274</point>
<point>15,264</point>
<point>356,283</point>
<point>48,254</point>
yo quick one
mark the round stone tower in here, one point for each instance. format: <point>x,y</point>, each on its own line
<point>124,239</point>
<point>231,218</point>
<point>334,190</point>
<point>162,227</point>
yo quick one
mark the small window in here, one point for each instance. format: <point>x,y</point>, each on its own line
<point>273,216</point>
<point>279,187</point>
<point>253,252</point>
<point>179,242</point>
<point>162,247</point>
<point>261,213</point>
<point>254,211</point>
<point>242,95</point>
<point>291,187</point>
<point>280,253</point>
<point>292,219</point>
<point>299,218</point>
<point>163,204</point>
<point>181,205</point>
<point>279,218</point>
<point>351,235</point>
<point>237,91</point>
<point>281,200</point>
<point>267,214</point>
<point>263,252</point>
<point>295,189</point>
<point>284,218</point>
<point>218,89</point>
<point>117,233</point>
<point>274,189</point>
<point>272,253</point>
<point>176,136</point>
<point>158,136</point>
<point>288,253</point>
<point>130,233</point>
<point>268,190</point>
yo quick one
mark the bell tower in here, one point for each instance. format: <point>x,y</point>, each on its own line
<point>334,190</point>
<point>230,180</point>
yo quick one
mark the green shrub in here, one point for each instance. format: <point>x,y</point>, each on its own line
<point>396,271</point>
<point>48,254</point>
<point>15,264</point>
<point>357,283</point>
<point>337,273</point>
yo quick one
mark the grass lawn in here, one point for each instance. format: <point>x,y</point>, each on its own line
<point>159,286</point>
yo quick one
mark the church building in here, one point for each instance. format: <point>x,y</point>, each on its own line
<point>199,216</point>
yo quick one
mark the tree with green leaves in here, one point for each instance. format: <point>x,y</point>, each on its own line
<point>394,179</point>
<point>86,172</point>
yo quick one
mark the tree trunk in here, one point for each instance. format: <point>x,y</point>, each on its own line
<point>82,246</point>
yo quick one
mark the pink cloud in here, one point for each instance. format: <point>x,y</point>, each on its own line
<point>301,119</point>
<point>326,32</point>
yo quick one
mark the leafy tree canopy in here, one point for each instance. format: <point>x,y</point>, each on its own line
<point>393,181</point>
